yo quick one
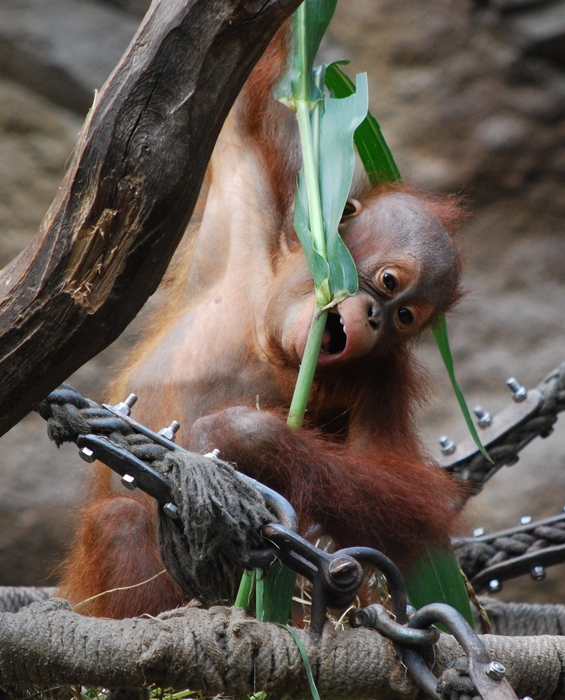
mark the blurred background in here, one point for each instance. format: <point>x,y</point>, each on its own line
<point>471,98</point>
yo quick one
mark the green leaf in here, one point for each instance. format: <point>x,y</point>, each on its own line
<point>373,150</point>
<point>309,24</point>
<point>318,266</point>
<point>439,332</point>
<point>305,661</point>
<point>436,578</point>
<point>340,119</point>
<point>274,594</point>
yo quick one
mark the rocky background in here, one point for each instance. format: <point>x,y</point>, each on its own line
<point>470,96</point>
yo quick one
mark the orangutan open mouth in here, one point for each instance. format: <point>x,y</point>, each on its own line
<point>335,338</point>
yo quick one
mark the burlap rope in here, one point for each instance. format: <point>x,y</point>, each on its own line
<point>221,516</point>
<point>222,651</point>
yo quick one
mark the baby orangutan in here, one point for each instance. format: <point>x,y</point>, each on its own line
<point>223,353</point>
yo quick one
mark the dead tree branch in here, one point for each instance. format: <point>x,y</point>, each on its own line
<point>125,202</point>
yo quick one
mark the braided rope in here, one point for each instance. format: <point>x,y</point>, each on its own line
<point>475,556</point>
<point>69,414</point>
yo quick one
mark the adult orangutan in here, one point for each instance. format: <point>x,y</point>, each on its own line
<point>222,353</point>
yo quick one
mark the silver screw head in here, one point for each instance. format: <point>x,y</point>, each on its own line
<point>519,392</point>
<point>447,445</point>
<point>479,532</point>
<point>170,431</point>
<point>484,417</point>
<point>496,670</point>
<point>494,585</point>
<point>129,482</point>
<point>525,520</point>
<point>538,573</point>
<point>125,406</point>
<point>171,511</point>
<point>87,455</point>
<point>214,454</point>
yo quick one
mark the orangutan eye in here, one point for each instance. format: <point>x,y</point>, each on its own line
<point>390,281</point>
<point>405,316</point>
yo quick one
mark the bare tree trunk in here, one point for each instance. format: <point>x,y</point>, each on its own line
<point>108,237</point>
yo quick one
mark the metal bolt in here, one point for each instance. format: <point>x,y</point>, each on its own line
<point>519,392</point>
<point>213,455</point>
<point>343,570</point>
<point>494,585</point>
<point>360,617</point>
<point>538,573</point>
<point>447,445</point>
<point>170,432</point>
<point>496,670</point>
<point>525,520</point>
<point>87,454</point>
<point>171,511</point>
<point>125,406</point>
<point>479,532</point>
<point>129,482</point>
<point>485,419</point>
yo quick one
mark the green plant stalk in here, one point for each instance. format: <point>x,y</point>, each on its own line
<point>311,174</point>
<point>307,369</point>
<point>300,36</point>
<point>246,586</point>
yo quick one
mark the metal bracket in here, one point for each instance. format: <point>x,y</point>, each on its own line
<point>517,565</point>
<point>502,423</point>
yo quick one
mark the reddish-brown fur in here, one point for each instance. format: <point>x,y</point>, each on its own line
<point>228,338</point>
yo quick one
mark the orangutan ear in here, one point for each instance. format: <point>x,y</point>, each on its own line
<point>353,208</point>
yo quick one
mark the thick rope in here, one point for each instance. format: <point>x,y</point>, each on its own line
<point>523,619</point>
<point>474,556</point>
<point>221,515</point>
<point>69,414</point>
<point>222,651</point>
<point>14,598</point>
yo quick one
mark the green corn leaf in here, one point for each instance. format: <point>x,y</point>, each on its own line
<point>373,150</point>
<point>274,594</point>
<point>338,123</point>
<point>305,661</point>
<point>439,332</point>
<point>317,264</point>
<point>436,577</point>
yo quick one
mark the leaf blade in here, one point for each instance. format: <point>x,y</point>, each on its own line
<point>339,120</point>
<point>305,661</point>
<point>436,578</point>
<point>439,332</point>
<point>372,147</point>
